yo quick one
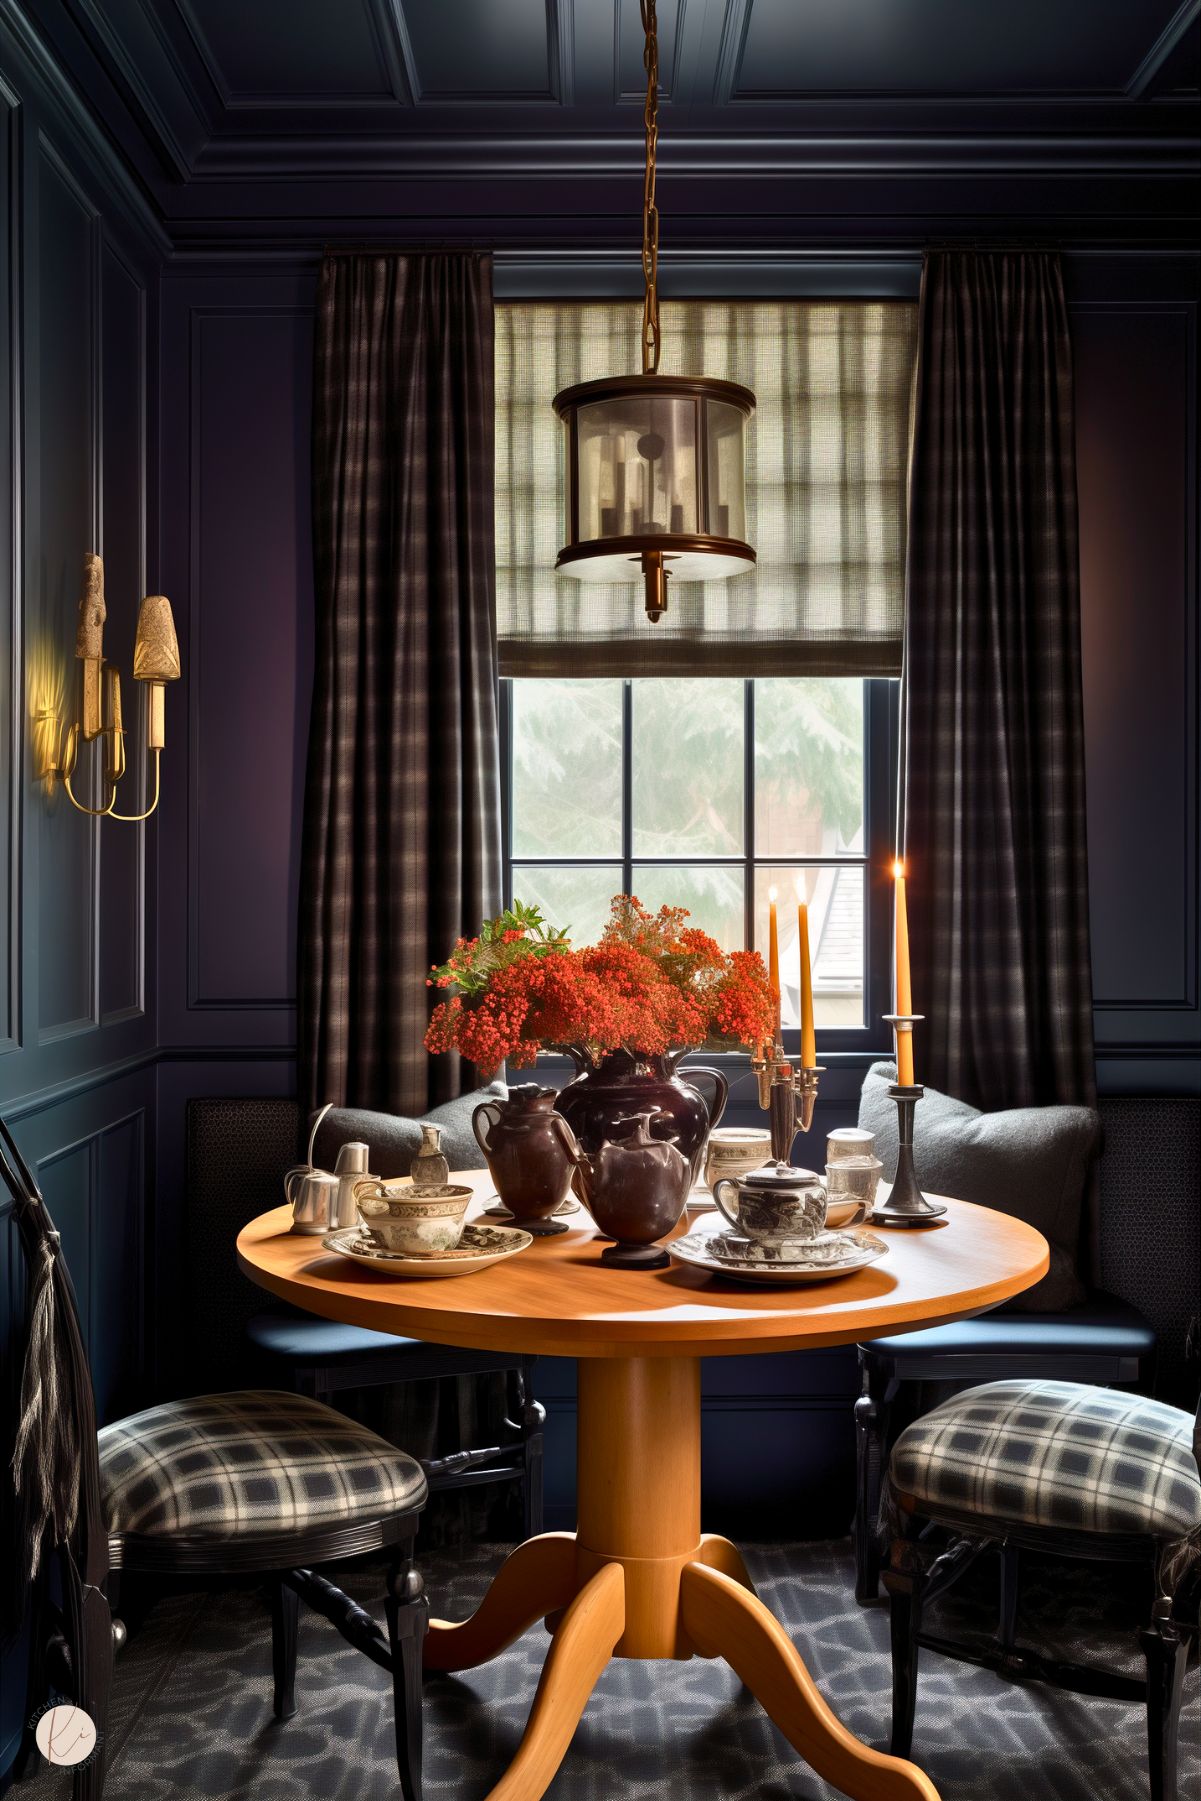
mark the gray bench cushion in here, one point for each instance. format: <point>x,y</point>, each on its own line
<point>1055,1454</point>
<point>252,1463</point>
<point>392,1139</point>
<point>1031,1162</point>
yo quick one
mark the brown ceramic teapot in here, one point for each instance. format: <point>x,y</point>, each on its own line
<point>636,1187</point>
<point>531,1154</point>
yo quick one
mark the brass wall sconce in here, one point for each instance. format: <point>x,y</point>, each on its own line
<point>155,662</point>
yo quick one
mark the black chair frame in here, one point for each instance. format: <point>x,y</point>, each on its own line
<point>518,1460</point>
<point>933,1549</point>
<point>881,1377</point>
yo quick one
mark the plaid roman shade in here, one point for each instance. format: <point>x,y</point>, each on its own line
<point>254,1463</point>
<point>1055,1454</point>
<point>827,454</point>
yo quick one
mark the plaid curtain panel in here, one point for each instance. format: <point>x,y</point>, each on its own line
<point>401,849</point>
<point>1055,1454</point>
<point>993,733</point>
<point>256,1462</point>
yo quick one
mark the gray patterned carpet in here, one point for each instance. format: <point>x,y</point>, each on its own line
<point>192,1715</point>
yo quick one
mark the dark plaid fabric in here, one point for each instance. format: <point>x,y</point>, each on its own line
<point>257,1462</point>
<point>993,737</point>
<point>1055,1454</point>
<point>401,849</point>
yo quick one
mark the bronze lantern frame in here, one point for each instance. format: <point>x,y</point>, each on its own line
<point>653,552</point>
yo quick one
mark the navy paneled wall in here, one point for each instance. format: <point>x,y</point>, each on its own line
<point>77,985</point>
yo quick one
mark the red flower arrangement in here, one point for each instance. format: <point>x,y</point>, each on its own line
<point>652,984</point>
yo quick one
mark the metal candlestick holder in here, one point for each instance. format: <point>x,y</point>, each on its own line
<point>906,1205</point>
<point>787,1095</point>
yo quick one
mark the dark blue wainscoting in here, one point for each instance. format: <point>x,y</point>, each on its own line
<point>78,301</point>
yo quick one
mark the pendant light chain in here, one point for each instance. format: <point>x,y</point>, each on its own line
<point>650,212</point>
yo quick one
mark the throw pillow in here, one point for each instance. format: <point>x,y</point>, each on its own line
<point>1031,1162</point>
<point>392,1139</point>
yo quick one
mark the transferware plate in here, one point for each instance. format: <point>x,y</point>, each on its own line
<point>479,1248</point>
<point>819,1259</point>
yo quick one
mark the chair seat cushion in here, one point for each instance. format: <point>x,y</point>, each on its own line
<point>253,1463</point>
<point>1104,1326</point>
<point>1059,1454</point>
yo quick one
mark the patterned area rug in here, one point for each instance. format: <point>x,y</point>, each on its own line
<point>192,1716</point>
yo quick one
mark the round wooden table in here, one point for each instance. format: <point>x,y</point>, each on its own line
<point>638,1578</point>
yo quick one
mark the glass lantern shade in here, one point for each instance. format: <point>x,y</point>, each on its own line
<point>655,469</point>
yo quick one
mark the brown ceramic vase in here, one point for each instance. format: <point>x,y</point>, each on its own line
<point>627,1083</point>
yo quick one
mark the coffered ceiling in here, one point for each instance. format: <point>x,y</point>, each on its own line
<point>209,96</point>
<point>210,73</point>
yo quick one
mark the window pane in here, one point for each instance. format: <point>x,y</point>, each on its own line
<point>714,897</point>
<point>808,766</point>
<point>575,899</point>
<point>836,913</point>
<point>566,769</point>
<point>688,768</point>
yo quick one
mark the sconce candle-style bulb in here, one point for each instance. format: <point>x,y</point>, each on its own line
<point>89,641</point>
<point>156,660</point>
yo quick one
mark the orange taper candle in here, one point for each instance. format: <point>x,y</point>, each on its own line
<point>808,1038</point>
<point>773,954</point>
<point>903,1003</point>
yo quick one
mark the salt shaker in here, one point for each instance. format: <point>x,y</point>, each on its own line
<point>350,1169</point>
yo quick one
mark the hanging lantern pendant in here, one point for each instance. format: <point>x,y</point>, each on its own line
<point>655,463</point>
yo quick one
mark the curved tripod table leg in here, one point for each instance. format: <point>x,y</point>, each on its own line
<point>718,1553</point>
<point>723,1619</point>
<point>538,1578</point>
<point>582,1646</point>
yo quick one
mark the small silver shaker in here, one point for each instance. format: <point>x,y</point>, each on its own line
<point>429,1168</point>
<point>350,1169</point>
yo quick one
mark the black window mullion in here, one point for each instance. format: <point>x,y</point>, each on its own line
<point>627,787</point>
<point>748,811</point>
<point>506,798</point>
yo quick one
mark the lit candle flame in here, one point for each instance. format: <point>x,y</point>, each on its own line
<point>772,892</point>
<point>800,887</point>
<point>898,869</point>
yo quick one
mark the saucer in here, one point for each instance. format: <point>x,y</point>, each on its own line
<point>479,1248</point>
<point>817,1259</point>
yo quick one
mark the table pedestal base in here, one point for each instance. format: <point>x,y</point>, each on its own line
<point>639,1579</point>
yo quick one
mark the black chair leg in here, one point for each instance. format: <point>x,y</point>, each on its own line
<point>1165,1649</point>
<point>871,1452</point>
<point>903,1582</point>
<point>1010,1581</point>
<point>531,1417</point>
<point>408,1610</point>
<point>285,1621</point>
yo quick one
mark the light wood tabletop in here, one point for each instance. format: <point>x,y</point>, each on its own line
<point>558,1299</point>
<point>638,1577</point>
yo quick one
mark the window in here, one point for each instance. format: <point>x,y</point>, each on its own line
<point>703,792</point>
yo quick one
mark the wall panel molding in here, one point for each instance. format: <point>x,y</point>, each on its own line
<point>11,511</point>
<point>1138,476</point>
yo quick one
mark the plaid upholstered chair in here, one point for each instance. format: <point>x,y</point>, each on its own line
<point>257,1485</point>
<point>1065,1469</point>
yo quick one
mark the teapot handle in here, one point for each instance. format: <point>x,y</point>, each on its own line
<point>721,1092</point>
<point>488,1111</point>
<point>724,1182</point>
<point>293,1176</point>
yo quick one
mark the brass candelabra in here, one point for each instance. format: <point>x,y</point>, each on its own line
<point>787,1094</point>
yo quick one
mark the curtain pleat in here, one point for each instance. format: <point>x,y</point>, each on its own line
<point>992,723</point>
<point>827,453</point>
<point>401,849</point>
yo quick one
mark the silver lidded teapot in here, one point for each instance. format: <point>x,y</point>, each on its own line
<point>774,1204</point>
